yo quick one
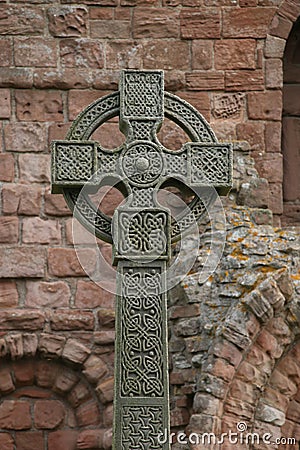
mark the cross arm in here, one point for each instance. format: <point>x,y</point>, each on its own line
<point>78,163</point>
<point>201,164</point>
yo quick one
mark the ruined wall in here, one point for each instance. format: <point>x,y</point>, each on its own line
<point>56,325</point>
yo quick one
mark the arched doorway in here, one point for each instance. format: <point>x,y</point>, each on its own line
<point>291,128</point>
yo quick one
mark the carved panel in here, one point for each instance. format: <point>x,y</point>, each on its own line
<point>141,427</point>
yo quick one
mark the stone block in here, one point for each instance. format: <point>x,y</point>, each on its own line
<point>128,54</point>
<point>273,137</point>
<point>155,23</point>
<point>48,414</point>
<point>110,29</point>
<point>244,80</point>
<point>21,319</point>
<point>9,230</point>
<point>205,80</point>
<point>44,294</point>
<point>29,440</point>
<point>39,106</point>
<point>246,22</point>
<point>274,47</point>
<point>79,394</point>
<point>235,54</point>
<point>63,78</point>
<point>90,295</point>
<point>88,414</point>
<point>20,199</point>
<point>105,390</point>
<point>72,320</point>
<point>24,372</point>
<point>75,352</point>
<point>39,231</point>
<point>25,137</point>
<point>16,77</point>
<point>269,414</point>
<point>45,374</point>
<point>15,345</point>
<point>15,415</point>
<point>64,439</point>
<point>51,346</point>
<point>21,20</point>
<point>9,296</point>
<point>6,53</point>
<point>34,168</point>
<point>81,53</point>
<point>94,369</point>
<point>78,100</point>
<point>55,205</point>
<point>7,167</point>
<point>106,317</point>
<point>18,262</point>
<point>273,70</point>
<point>5,104</point>
<point>205,24</point>
<point>6,381</point>
<point>67,21</point>
<point>7,441</point>
<point>265,105</point>
<point>35,52</point>
<point>172,55</point>
<point>254,194</point>
<point>65,381</point>
<point>202,54</point>
<point>66,262</point>
<point>30,343</point>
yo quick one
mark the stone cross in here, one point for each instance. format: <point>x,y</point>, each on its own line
<point>141,231</point>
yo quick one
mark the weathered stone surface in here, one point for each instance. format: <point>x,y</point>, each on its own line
<point>72,320</point>
<point>90,295</point>
<point>79,394</point>
<point>235,54</point>
<point>88,414</point>
<point>81,53</point>
<point>155,23</point>
<point>48,414</point>
<point>6,384</point>
<point>20,199</point>
<point>94,369</point>
<point>51,346</point>
<point>29,440</point>
<point>5,104</point>
<point>35,52</point>
<point>65,439</point>
<point>67,21</point>
<point>21,319</point>
<point>47,294</point>
<point>9,230</point>
<point>34,168</point>
<point>39,106</point>
<point>9,296</point>
<point>15,346</point>
<point>265,105</point>
<point>64,262</point>
<point>244,80</point>
<point>200,24</point>
<point>25,137</point>
<point>205,80</point>
<point>16,262</point>
<point>7,169</point>
<point>39,231</point>
<point>269,414</point>
<point>15,415</point>
<point>75,352</point>
<point>246,22</point>
<point>18,19</point>
<point>105,390</point>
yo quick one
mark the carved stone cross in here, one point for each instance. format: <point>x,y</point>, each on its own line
<point>141,231</point>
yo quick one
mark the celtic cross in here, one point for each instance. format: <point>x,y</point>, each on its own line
<point>141,230</point>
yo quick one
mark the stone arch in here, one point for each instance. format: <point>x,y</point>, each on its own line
<point>243,362</point>
<point>54,392</point>
<point>291,127</point>
<point>274,50</point>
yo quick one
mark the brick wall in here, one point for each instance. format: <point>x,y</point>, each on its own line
<point>55,58</point>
